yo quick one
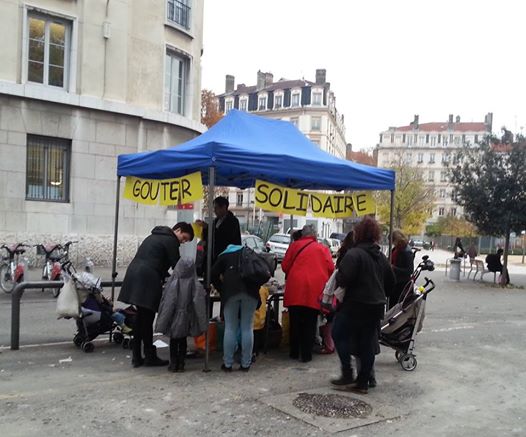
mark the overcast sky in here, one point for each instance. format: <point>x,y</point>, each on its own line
<point>386,60</point>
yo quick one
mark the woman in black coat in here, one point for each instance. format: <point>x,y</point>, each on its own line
<point>142,285</point>
<point>402,262</point>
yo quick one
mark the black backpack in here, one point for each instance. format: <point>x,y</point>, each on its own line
<point>253,268</point>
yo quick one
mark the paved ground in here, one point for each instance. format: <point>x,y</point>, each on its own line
<point>469,380</point>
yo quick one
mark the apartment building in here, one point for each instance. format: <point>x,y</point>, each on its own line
<point>80,83</point>
<point>311,107</point>
<point>431,147</point>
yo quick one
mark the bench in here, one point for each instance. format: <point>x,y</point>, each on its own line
<point>480,267</point>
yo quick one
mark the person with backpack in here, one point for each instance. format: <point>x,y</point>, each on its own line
<point>307,266</point>
<point>402,261</point>
<point>237,275</point>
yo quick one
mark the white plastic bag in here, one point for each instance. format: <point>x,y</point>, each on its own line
<point>68,300</point>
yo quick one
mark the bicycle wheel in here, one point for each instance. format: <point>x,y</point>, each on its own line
<point>6,279</point>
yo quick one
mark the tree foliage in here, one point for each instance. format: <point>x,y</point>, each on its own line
<point>450,225</point>
<point>210,114</point>
<point>413,200</point>
<point>490,184</point>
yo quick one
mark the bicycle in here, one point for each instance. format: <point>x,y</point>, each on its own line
<point>56,256</point>
<point>12,268</point>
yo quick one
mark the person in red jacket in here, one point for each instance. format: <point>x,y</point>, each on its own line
<point>307,266</point>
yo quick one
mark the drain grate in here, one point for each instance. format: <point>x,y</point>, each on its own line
<point>332,405</point>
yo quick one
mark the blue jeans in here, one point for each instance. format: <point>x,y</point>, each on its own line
<point>239,315</point>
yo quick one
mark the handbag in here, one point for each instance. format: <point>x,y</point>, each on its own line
<point>68,304</point>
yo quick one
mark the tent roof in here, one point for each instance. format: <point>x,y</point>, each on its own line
<point>245,147</point>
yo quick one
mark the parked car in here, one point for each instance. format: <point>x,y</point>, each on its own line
<point>257,245</point>
<point>325,242</point>
<point>421,244</point>
<point>279,243</point>
<point>335,246</point>
<point>338,236</point>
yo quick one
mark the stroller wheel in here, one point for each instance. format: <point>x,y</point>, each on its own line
<point>118,337</point>
<point>408,362</point>
<point>88,347</point>
<point>77,340</point>
<point>126,343</point>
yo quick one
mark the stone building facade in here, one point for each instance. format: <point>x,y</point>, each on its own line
<point>430,147</point>
<point>80,83</point>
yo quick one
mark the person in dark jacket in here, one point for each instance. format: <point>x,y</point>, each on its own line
<point>402,261</point>
<point>226,227</point>
<point>495,265</point>
<point>308,265</point>
<point>366,275</point>
<point>142,285</point>
<point>240,300</point>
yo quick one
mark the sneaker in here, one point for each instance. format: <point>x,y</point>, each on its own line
<point>225,368</point>
<point>244,369</point>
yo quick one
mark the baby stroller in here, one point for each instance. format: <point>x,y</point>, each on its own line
<point>96,312</point>
<point>404,320</point>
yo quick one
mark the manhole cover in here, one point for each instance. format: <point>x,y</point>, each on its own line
<point>332,405</point>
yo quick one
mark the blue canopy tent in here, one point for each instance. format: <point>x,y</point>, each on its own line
<point>241,148</point>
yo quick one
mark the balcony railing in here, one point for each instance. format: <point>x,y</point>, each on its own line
<point>179,13</point>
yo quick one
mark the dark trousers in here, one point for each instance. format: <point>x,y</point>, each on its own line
<point>143,330</point>
<point>341,328</point>
<point>178,348</point>
<point>302,330</point>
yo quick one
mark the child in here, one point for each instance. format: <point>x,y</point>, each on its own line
<point>182,311</point>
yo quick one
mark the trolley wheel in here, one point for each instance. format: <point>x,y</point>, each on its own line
<point>118,337</point>
<point>88,347</point>
<point>126,343</point>
<point>398,355</point>
<point>408,362</point>
<point>77,340</point>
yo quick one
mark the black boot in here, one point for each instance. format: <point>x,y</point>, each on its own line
<point>372,379</point>
<point>174,357</point>
<point>151,359</point>
<point>137,359</point>
<point>181,354</point>
<point>346,378</point>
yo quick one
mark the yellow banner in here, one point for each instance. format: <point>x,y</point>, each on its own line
<point>271,197</point>
<point>185,189</point>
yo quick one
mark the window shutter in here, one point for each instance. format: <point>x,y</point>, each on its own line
<point>270,100</point>
<point>236,102</point>
<point>305,95</point>
<point>253,102</point>
<point>286,98</point>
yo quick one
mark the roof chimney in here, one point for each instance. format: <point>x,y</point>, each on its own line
<point>450,120</point>
<point>269,78</point>
<point>457,120</point>
<point>321,76</point>
<point>415,122</point>
<point>488,121</point>
<point>230,82</point>
<point>261,80</point>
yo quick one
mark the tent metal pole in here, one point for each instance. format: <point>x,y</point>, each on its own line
<point>391,219</point>
<point>209,250</point>
<point>115,235</point>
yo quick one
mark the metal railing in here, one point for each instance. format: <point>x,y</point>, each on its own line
<point>17,294</point>
<point>179,12</point>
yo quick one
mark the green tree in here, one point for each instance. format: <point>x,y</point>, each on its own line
<point>413,200</point>
<point>490,184</point>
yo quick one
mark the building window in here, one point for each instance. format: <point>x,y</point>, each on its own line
<point>442,193</point>
<point>431,176</point>
<point>239,199</point>
<point>409,140</point>
<point>315,124</point>
<point>439,138</point>
<point>229,104</point>
<point>445,158</point>
<point>316,99</point>
<point>294,121</point>
<point>179,12</point>
<point>295,99</point>
<point>381,137</point>
<point>420,158</point>
<point>403,138</point>
<point>278,102</point>
<point>431,158</point>
<point>48,50</point>
<point>427,138</point>
<point>409,158</point>
<point>443,176</point>
<point>441,211</point>
<point>422,139</point>
<point>457,140</point>
<point>476,139</point>
<point>453,212</point>
<point>433,140</point>
<point>175,82</point>
<point>243,104</point>
<point>47,168</point>
<point>262,103</point>
<point>392,138</point>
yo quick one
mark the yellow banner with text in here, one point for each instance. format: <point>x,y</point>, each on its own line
<point>185,189</point>
<point>271,197</point>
